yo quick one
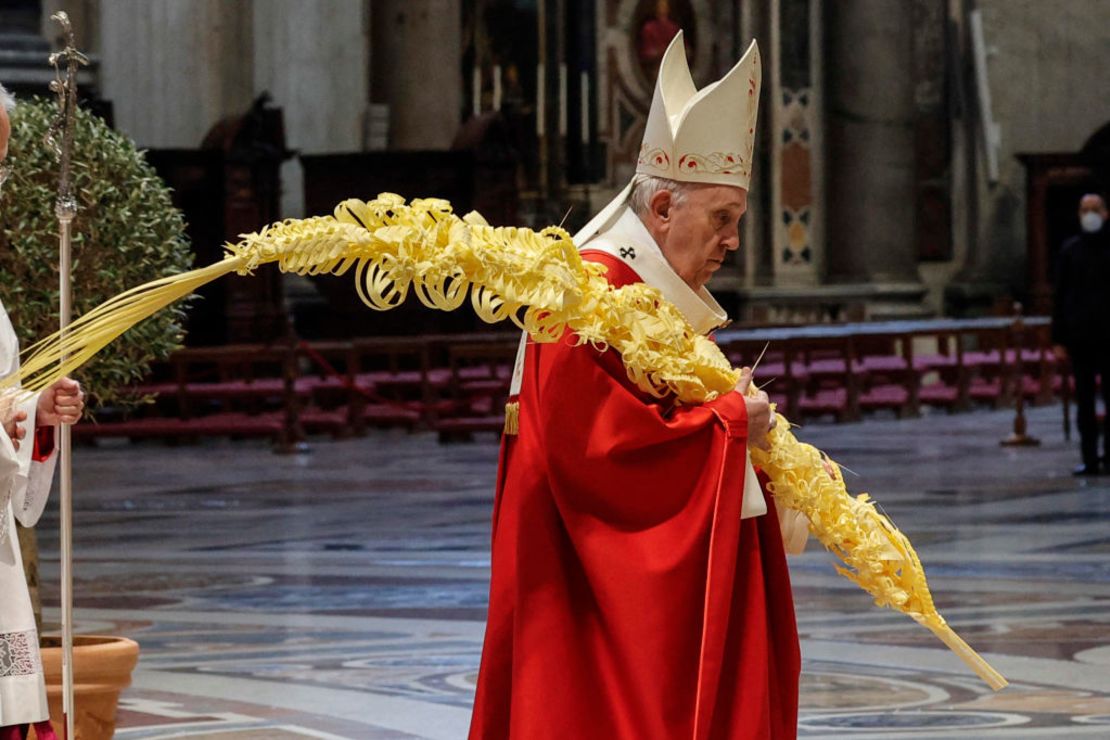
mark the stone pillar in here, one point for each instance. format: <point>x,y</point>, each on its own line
<point>417,50</point>
<point>756,252</point>
<point>313,58</point>
<point>871,187</point>
<point>173,68</point>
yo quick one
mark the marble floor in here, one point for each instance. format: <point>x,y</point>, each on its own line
<point>340,593</point>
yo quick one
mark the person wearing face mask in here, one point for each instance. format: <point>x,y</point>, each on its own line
<point>26,471</point>
<point>1081,323</point>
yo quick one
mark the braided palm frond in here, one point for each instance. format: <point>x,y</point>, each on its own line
<point>538,281</point>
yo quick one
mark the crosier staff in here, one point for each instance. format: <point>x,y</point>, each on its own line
<point>64,86</point>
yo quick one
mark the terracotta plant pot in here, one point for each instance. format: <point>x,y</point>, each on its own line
<point>102,668</point>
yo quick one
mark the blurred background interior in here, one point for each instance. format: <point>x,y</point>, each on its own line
<point>916,160</point>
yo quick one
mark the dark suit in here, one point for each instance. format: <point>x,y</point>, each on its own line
<point>1081,322</point>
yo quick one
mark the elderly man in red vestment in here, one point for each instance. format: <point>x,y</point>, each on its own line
<point>639,586</point>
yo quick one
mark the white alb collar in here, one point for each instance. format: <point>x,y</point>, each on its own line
<point>647,260</point>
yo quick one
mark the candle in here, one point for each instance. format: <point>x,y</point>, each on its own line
<point>476,90</point>
<point>562,100</point>
<point>585,108</point>
<point>539,100</point>
<point>497,87</point>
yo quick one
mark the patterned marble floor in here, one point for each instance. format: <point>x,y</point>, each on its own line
<point>341,593</point>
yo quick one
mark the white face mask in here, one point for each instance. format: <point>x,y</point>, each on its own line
<point>1091,222</point>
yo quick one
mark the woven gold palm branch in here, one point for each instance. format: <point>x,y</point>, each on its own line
<point>538,281</point>
<point>876,555</point>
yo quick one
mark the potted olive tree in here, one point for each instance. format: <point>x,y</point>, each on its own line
<point>127,232</point>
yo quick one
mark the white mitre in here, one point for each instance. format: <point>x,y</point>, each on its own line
<point>692,135</point>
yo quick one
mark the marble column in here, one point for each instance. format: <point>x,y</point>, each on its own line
<point>313,58</point>
<point>417,56</point>
<point>756,253</point>
<point>871,186</point>
<point>173,68</point>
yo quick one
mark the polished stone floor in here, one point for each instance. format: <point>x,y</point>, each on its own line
<point>341,593</point>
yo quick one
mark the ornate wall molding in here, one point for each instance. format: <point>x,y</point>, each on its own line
<point>794,105</point>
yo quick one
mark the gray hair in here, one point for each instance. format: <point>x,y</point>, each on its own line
<point>644,188</point>
<point>7,100</point>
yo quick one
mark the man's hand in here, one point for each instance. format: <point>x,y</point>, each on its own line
<point>1060,351</point>
<point>14,428</point>
<point>760,418</point>
<point>61,403</point>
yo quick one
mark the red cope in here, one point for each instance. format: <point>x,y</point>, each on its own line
<point>628,600</point>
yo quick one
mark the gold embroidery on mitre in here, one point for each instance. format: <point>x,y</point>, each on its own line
<point>717,163</point>
<point>656,158</point>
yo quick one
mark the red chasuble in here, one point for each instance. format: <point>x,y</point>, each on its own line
<point>628,600</point>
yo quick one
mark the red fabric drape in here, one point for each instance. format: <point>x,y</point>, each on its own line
<point>43,731</point>
<point>627,597</point>
<point>44,444</point>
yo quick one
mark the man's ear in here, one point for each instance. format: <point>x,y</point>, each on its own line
<point>660,208</point>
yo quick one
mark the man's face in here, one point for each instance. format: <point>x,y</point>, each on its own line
<point>700,230</point>
<point>1092,204</point>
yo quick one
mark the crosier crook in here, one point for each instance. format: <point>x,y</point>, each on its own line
<point>538,281</point>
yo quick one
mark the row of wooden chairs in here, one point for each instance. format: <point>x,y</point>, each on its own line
<point>457,385</point>
<point>454,384</point>
<point>955,366</point>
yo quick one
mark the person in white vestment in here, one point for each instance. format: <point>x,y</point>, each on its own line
<point>27,460</point>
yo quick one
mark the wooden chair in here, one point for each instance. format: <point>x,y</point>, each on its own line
<point>393,381</point>
<point>835,376</point>
<point>480,376</point>
<point>891,381</point>
<point>241,390</point>
<point>945,369</point>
